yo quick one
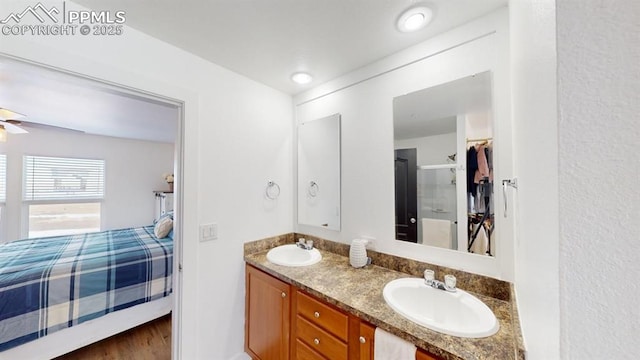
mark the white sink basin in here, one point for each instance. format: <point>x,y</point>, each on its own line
<point>458,313</point>
<point>292,255</point>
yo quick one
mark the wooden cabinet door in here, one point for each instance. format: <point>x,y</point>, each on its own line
<point>267,313</point>
<point>421,355</point>
<point>367,333</point>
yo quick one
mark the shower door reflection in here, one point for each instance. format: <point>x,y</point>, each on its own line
<point>437,206</point>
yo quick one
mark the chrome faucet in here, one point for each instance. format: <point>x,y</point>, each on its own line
<point>437,284</point>
<point>449,283</point>
<point>305,244</point>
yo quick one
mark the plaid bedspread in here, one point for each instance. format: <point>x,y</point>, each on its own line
<point>52,283</point>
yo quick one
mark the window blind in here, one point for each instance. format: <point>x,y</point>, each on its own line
<point>3,178</point>
<point>54,178</point>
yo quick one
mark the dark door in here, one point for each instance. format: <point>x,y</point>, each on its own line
<point>406,195</point>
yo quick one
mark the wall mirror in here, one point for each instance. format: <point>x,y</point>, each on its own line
<point>443,144</point>
<point>319,172</point>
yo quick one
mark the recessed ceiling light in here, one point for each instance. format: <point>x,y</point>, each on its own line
<point>415,19</point>
<point>301,78</point>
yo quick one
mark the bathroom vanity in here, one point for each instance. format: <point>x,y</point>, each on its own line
<point>285,322</point>
<point>330,310</point>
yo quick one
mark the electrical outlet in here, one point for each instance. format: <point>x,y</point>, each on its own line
<point>208,232</point>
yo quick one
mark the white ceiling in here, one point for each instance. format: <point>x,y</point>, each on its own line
<point>433,111</point>
<point>269,40</point>
<point>263,40</point>
<point>53,98</point>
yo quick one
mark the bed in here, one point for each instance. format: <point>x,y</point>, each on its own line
<point>63,282</point>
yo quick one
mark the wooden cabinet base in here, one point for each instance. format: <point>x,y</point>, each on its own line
<point>303,351</point>
<point>367,343</point>
<point>366,338</point>
<point>421,355</point>
<point>267,316</point>
<point>321,341</point>
<point>277,312</point>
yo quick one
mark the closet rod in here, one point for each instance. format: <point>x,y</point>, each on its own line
<point>481,139</point>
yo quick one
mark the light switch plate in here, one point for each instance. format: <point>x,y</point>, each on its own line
<point>208,232</point>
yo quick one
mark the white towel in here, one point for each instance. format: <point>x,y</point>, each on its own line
<point>390,347</point>
<point>436,232</point>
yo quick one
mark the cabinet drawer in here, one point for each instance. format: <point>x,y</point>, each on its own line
<point>304,352</point>
<point>320,340</point>
<point>324,316</point>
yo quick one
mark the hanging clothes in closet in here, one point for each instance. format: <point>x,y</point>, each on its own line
<point>479,176</point>
<point>472,168</point>
<point>483,178</point>
<point>480,196</point>
<point>482,168</point>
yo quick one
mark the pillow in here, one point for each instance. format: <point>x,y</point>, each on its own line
<point>162,227</point>
<point>168,214</point>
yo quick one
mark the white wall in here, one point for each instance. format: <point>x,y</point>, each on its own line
<point>576,264</point>
<point>535,117</point>
<point>430,150</point>
<point>598,136</point>
<point>133,170</point>
<point>367,135</point>
<point>237,137</point>
<point>478,125</point>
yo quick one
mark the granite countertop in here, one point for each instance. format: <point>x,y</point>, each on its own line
<point>359,292</point>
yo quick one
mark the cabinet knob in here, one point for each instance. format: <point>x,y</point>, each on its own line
<point>284,294</point>
<point>316,314</point>
<point>316,341</point>
<point>362,340</point>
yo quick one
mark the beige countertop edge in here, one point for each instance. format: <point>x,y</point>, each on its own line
<point>359,292</point>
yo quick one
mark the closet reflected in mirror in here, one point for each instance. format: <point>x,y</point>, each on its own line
<point>443,144</point>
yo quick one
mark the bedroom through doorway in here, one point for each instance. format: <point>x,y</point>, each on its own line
<point>91,198</point>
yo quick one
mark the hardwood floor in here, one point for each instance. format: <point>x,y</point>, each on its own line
<point>148,341</point>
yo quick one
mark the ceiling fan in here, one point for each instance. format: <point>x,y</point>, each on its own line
<point>9,123</point>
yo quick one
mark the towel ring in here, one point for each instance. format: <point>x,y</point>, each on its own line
<point>273,190</point>
<point>313,189</point>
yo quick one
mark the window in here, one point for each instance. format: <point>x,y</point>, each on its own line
<point>63,195</point>
<point>63,219</point>
<point>51,178</point>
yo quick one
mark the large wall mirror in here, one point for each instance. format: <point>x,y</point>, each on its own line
<point>443,144</point>
<point>319,172</point>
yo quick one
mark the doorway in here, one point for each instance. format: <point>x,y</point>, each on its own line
<point>406,195</point>
<point>34,82</point>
